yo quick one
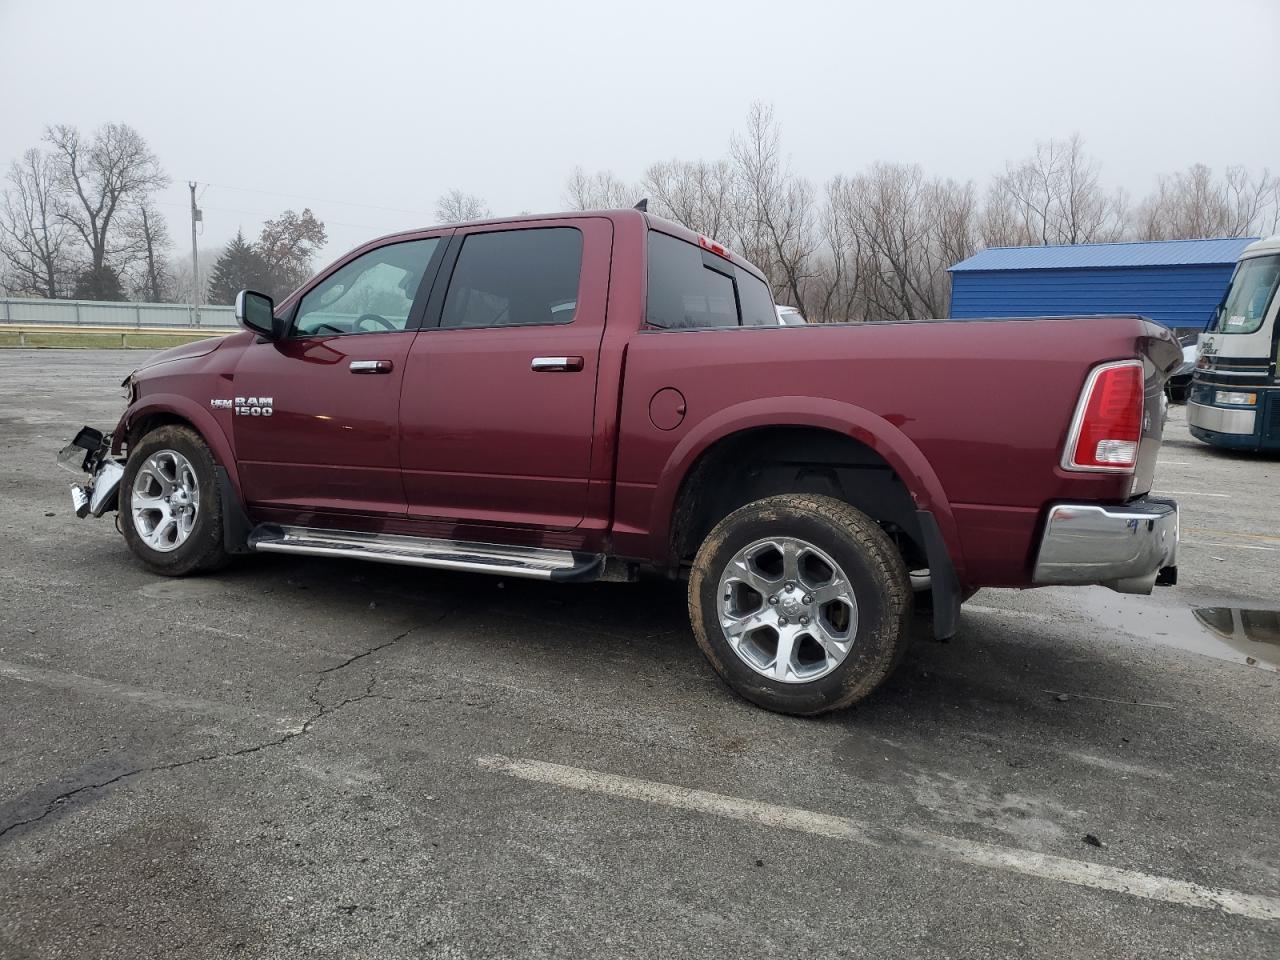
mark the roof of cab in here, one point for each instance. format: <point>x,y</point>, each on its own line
<point>652,221</point>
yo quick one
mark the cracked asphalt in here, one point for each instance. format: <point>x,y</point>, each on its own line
<point>295,757</point>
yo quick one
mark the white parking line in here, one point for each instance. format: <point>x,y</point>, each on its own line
<point>1062,869</point>
<point>1191,493</point>
<point>1229,546</point>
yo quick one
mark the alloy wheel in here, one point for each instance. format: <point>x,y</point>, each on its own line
<point>787,609</point>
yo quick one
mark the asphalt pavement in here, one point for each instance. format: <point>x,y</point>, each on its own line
<point>312,758</point>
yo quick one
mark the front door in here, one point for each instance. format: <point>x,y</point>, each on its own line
<point>498,405</point>
<point>316,413</point>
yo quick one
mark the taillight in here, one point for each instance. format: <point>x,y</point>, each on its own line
<point>1107,426</point>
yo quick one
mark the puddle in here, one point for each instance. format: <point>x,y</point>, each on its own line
<point>1239,634</point>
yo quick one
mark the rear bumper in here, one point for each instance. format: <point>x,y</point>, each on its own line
<point>1127,547</point>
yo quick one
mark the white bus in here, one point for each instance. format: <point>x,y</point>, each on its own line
<point>1235,393</point>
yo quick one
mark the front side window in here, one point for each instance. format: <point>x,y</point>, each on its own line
<point>685,293</point>
<point>515,278</point>
<point>1253,287</point>
<point>374,293</point>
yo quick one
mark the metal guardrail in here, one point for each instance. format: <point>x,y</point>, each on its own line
<point>114,313</point>
<point>177,334</point>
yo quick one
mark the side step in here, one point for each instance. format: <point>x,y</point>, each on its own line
<point>534,562</point>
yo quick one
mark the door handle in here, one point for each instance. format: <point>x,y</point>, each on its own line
<point>556,364</point>
<point>370,366</point>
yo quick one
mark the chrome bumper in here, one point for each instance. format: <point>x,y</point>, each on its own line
<point>1221,419</point>
<point>1127,547</point>
<point>101,493</point>
<point>88,453</point>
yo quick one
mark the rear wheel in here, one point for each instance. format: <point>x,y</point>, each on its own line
<point>800,603</point>
<point>170,508</point>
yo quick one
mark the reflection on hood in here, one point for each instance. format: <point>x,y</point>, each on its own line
<point>186,351</point>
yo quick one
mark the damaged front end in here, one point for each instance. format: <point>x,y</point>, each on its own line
<point>90,452</point>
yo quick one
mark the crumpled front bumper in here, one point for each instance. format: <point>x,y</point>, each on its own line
<point>1128,547</point>
<point>89,453</point>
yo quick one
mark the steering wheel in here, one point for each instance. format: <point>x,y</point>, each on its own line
<point>382,321</point>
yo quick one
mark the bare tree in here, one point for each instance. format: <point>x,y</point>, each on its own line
<point>149,242</point>
<point>100,179</point>
<point>1195,203</point>
<point>777,223</point>
<point>999,224</point>
<point>833,291</point>
<point>34,244</point>
<point>697,194</point>
<point>457,206</point>
<point>878,245</point>
<point>599,191</point>
<point>1053,196</point>
<point>906,229</point>
<point>184,282</point>
<point>952,211</point>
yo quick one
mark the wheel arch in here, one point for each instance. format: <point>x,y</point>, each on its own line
<point>717,436</point>
<point>161,409</point>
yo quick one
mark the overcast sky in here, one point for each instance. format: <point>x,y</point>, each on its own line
<point>367,111</point>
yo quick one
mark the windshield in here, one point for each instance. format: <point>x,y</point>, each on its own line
<point>1253,287</point>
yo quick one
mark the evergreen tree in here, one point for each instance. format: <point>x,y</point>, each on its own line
<point>99,283</point>
<point>239,267</point>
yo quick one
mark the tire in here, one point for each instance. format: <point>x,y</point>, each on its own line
<point>828,534</point>
<point>200,548</point>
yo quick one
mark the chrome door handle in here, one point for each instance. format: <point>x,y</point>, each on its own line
<point>556,364</point>
<point>370,366</point>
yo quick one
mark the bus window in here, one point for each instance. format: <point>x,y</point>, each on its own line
<point>1252,289</point>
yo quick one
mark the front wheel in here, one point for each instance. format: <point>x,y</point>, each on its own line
<point>800,603</point>
<point>170,507</point>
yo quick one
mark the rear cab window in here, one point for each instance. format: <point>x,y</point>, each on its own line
<point>693,289</point>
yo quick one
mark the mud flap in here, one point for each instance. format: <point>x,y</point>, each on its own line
<point>942,575</point>
<point>235,522</point>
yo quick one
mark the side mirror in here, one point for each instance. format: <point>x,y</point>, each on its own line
<point>256,311</point>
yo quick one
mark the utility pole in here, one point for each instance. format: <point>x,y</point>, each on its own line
<point>196,217</point>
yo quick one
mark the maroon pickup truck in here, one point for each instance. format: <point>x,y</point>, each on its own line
<point>589,396</point>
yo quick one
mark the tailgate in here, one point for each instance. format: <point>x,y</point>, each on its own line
<point>1161,356</point>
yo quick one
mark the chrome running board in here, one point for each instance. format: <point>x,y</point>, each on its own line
<point>534,562</point>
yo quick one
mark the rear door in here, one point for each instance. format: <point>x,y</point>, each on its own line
<point>499,393</point>
<point>316,413</point>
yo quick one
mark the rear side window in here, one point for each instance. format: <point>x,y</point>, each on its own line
<point>684,293</point>
<point>515,278</point>
<point>757,302</point>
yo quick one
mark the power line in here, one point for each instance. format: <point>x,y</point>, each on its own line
<point>267,214</point>
<point>300,196</point>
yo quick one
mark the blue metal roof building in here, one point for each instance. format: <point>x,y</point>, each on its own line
<point>1177,282</point>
